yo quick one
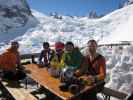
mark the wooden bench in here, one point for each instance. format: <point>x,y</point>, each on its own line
<point>18,93</point>
<point>112,93</point>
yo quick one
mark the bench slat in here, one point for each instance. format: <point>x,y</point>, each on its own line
<point>113,93</point>
<point>19,93</point>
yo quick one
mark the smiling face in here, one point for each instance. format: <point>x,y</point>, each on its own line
<point>15,45</point>
<point>46,45</point>
<point>92,46</point>
<point>59,51</point>
<point>69,48</point>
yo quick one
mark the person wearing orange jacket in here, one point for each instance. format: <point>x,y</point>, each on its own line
<point>10,63</point>
<point>93,67</point>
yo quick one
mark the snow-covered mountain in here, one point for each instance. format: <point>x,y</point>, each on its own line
<point>15,19</point>
<point>128,2</point>
<point>114,27</point>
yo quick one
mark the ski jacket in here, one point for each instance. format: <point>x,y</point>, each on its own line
<point>46,55</point>
<point>9,60</point>
<point>57,61</point>
<point>73,59</point>
<point>97,67</point>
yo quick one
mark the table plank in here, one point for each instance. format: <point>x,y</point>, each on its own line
<point>19,93</point>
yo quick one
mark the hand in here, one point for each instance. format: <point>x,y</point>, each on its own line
<point>86,80</point>
<point>77,73</point>
<point>40,63</point>
<point>91,78</point>
<point>20,67</point>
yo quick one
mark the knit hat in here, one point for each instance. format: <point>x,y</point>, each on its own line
<point>59,45</point>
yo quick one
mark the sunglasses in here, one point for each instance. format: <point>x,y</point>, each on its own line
<point>58,50</point>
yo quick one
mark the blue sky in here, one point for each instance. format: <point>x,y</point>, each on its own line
<point>74,7</point>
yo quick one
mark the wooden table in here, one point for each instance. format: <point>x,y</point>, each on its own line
<point>41,76</point>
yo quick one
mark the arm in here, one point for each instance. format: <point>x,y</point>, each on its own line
<point>18,59</point>
<point>19,65</point>
<point>83,69</point>
<point>102,70</point>
<point>40,57</point>
<point>0,61</point>
<point>78,60</point>
<point>52,54</point>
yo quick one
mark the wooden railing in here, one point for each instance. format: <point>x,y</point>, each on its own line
<point>30,56</point>
<point>116,44</point>
<point>35,55</point>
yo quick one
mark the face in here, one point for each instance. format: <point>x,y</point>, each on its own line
<point>92,47</point>
<point>69,48</point>
<point>46,47</point>
<point>59,51</point>
<point>15,45</point>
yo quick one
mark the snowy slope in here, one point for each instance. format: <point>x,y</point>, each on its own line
<point>121,25</point>
<point>117,26</point>
<point>15,19</point>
